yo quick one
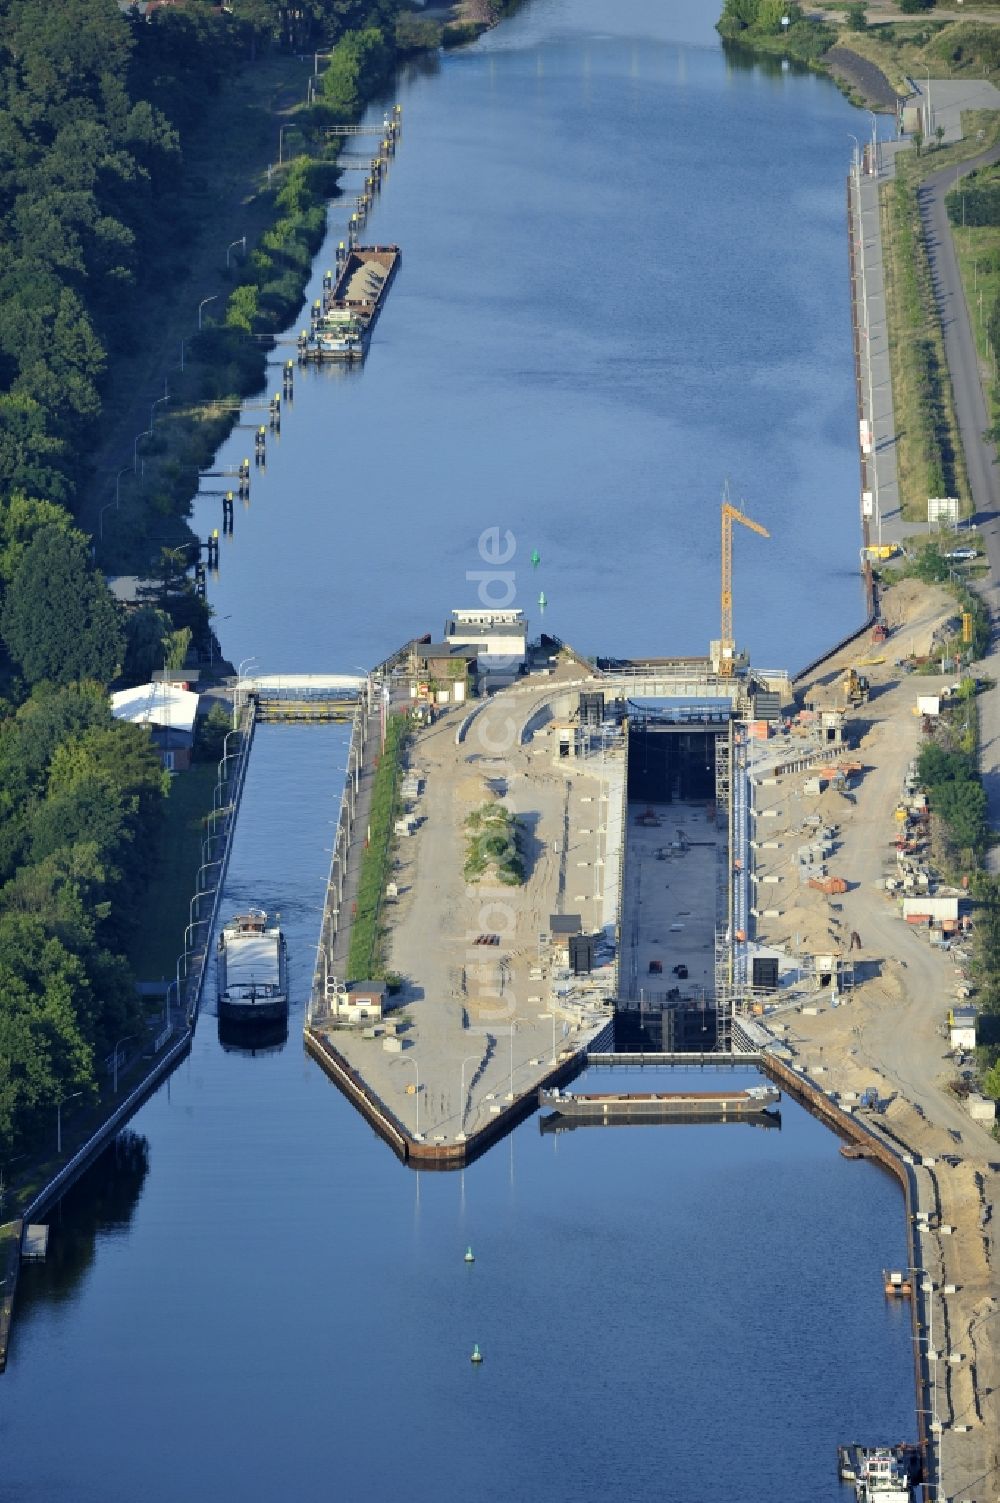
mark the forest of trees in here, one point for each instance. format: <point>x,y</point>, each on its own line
<point>95,104</point>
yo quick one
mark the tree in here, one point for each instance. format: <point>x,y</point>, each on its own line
<point>21,517</point>
<point>857,20</point>
<point>59,620</point>
<point>146,634</point>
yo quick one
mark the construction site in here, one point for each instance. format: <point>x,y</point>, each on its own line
<point>693,855</point>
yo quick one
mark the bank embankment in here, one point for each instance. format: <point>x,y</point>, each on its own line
<point>949,1183</point>
<point>414,1151</point>
<point>864,81</point>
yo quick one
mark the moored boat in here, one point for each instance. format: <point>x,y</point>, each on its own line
<point>252,970</point>
<point>883,1477</point>
<point>342,321</point>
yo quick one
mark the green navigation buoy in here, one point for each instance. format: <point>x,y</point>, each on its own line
<point>536,558</point>
<point>470,1256</point>
<point>477,1355</point>
<point>542,600</point>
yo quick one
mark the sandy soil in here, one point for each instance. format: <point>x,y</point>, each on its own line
<point>888,1032</point>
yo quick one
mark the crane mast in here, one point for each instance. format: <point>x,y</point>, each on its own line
<point>727,644</point>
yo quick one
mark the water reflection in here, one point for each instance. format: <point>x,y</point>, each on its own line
<point>102,1202</point>
<point>253,1038</point>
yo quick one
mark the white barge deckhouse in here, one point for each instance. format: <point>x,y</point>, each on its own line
<point>253,970</point>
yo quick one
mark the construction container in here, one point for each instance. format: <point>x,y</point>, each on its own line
<point>813,786</point>
<point>758,730</point>
<point>829,885</point>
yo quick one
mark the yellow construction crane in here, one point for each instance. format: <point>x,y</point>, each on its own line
<point>727,646</point>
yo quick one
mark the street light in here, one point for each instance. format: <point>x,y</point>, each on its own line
<point>513,1030</point>
<point>542,1017</point>
<point>59,1107</point>
<point>241,242</point>
<point>316,58</point>
<point>468,1059</point>
<point>246,663</point>
<point>127,1039</point>
<point>281,141</point>
<point>146,433</point>
<point>417,1092</point>
<point>164,398</point>
<point>202,304</point>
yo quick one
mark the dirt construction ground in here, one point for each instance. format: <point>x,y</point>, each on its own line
<point>887,1033</point>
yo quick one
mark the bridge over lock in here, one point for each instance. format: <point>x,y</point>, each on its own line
<point>303,696</point>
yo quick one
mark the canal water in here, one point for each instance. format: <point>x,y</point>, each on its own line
<point>250,1297</point>
<point>624,278</point>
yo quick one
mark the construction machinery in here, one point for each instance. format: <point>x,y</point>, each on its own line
<point>727,645</point>
<point>855,687</point>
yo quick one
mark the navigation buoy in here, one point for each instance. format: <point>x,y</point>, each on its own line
<point>477,1355</point>
<point>536,558</point>
<point>542,600</point>
<point>470,1256</point>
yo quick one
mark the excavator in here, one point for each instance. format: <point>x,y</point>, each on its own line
<point>854,686</point>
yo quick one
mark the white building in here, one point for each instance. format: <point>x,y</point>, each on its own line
<point>962,1028</point>
<point>170,713</point>
<point>500,636</point>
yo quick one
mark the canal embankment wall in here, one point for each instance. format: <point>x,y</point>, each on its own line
<point>412,1151</point>
<point>816,1101</point>
<point>189,988</point>
<point>228,786</point>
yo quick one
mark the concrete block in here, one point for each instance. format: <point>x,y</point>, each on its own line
<point>772,912</point>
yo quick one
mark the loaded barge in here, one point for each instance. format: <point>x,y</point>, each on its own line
<point>343,320</point>
<point>664,1106</point>
<point>252,971</point>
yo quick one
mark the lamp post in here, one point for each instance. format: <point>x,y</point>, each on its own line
<point>417,1092</point>
<point>542,1018</point>
<point>164,398</point>
<point>874,171</point>
<point>202,305</point>
<point>114,1066</point>
<point>59,1106</point>
<point>100,520</point>
<point>281,142</point>
<point>135,448</point>
<point>316,58</point>
<point>240,669</point>
<point>241,242</point>
<point>468,1060</point>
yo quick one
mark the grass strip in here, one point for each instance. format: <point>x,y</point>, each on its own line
<point>929,452</point>
<point>366,957</point>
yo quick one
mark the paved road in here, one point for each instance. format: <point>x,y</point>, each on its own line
<point>980,452</point>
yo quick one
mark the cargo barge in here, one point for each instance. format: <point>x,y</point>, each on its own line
<point>343,320</point>
<point>881,1473</point>
<point>252,971</point>
<point>665,1106</point>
